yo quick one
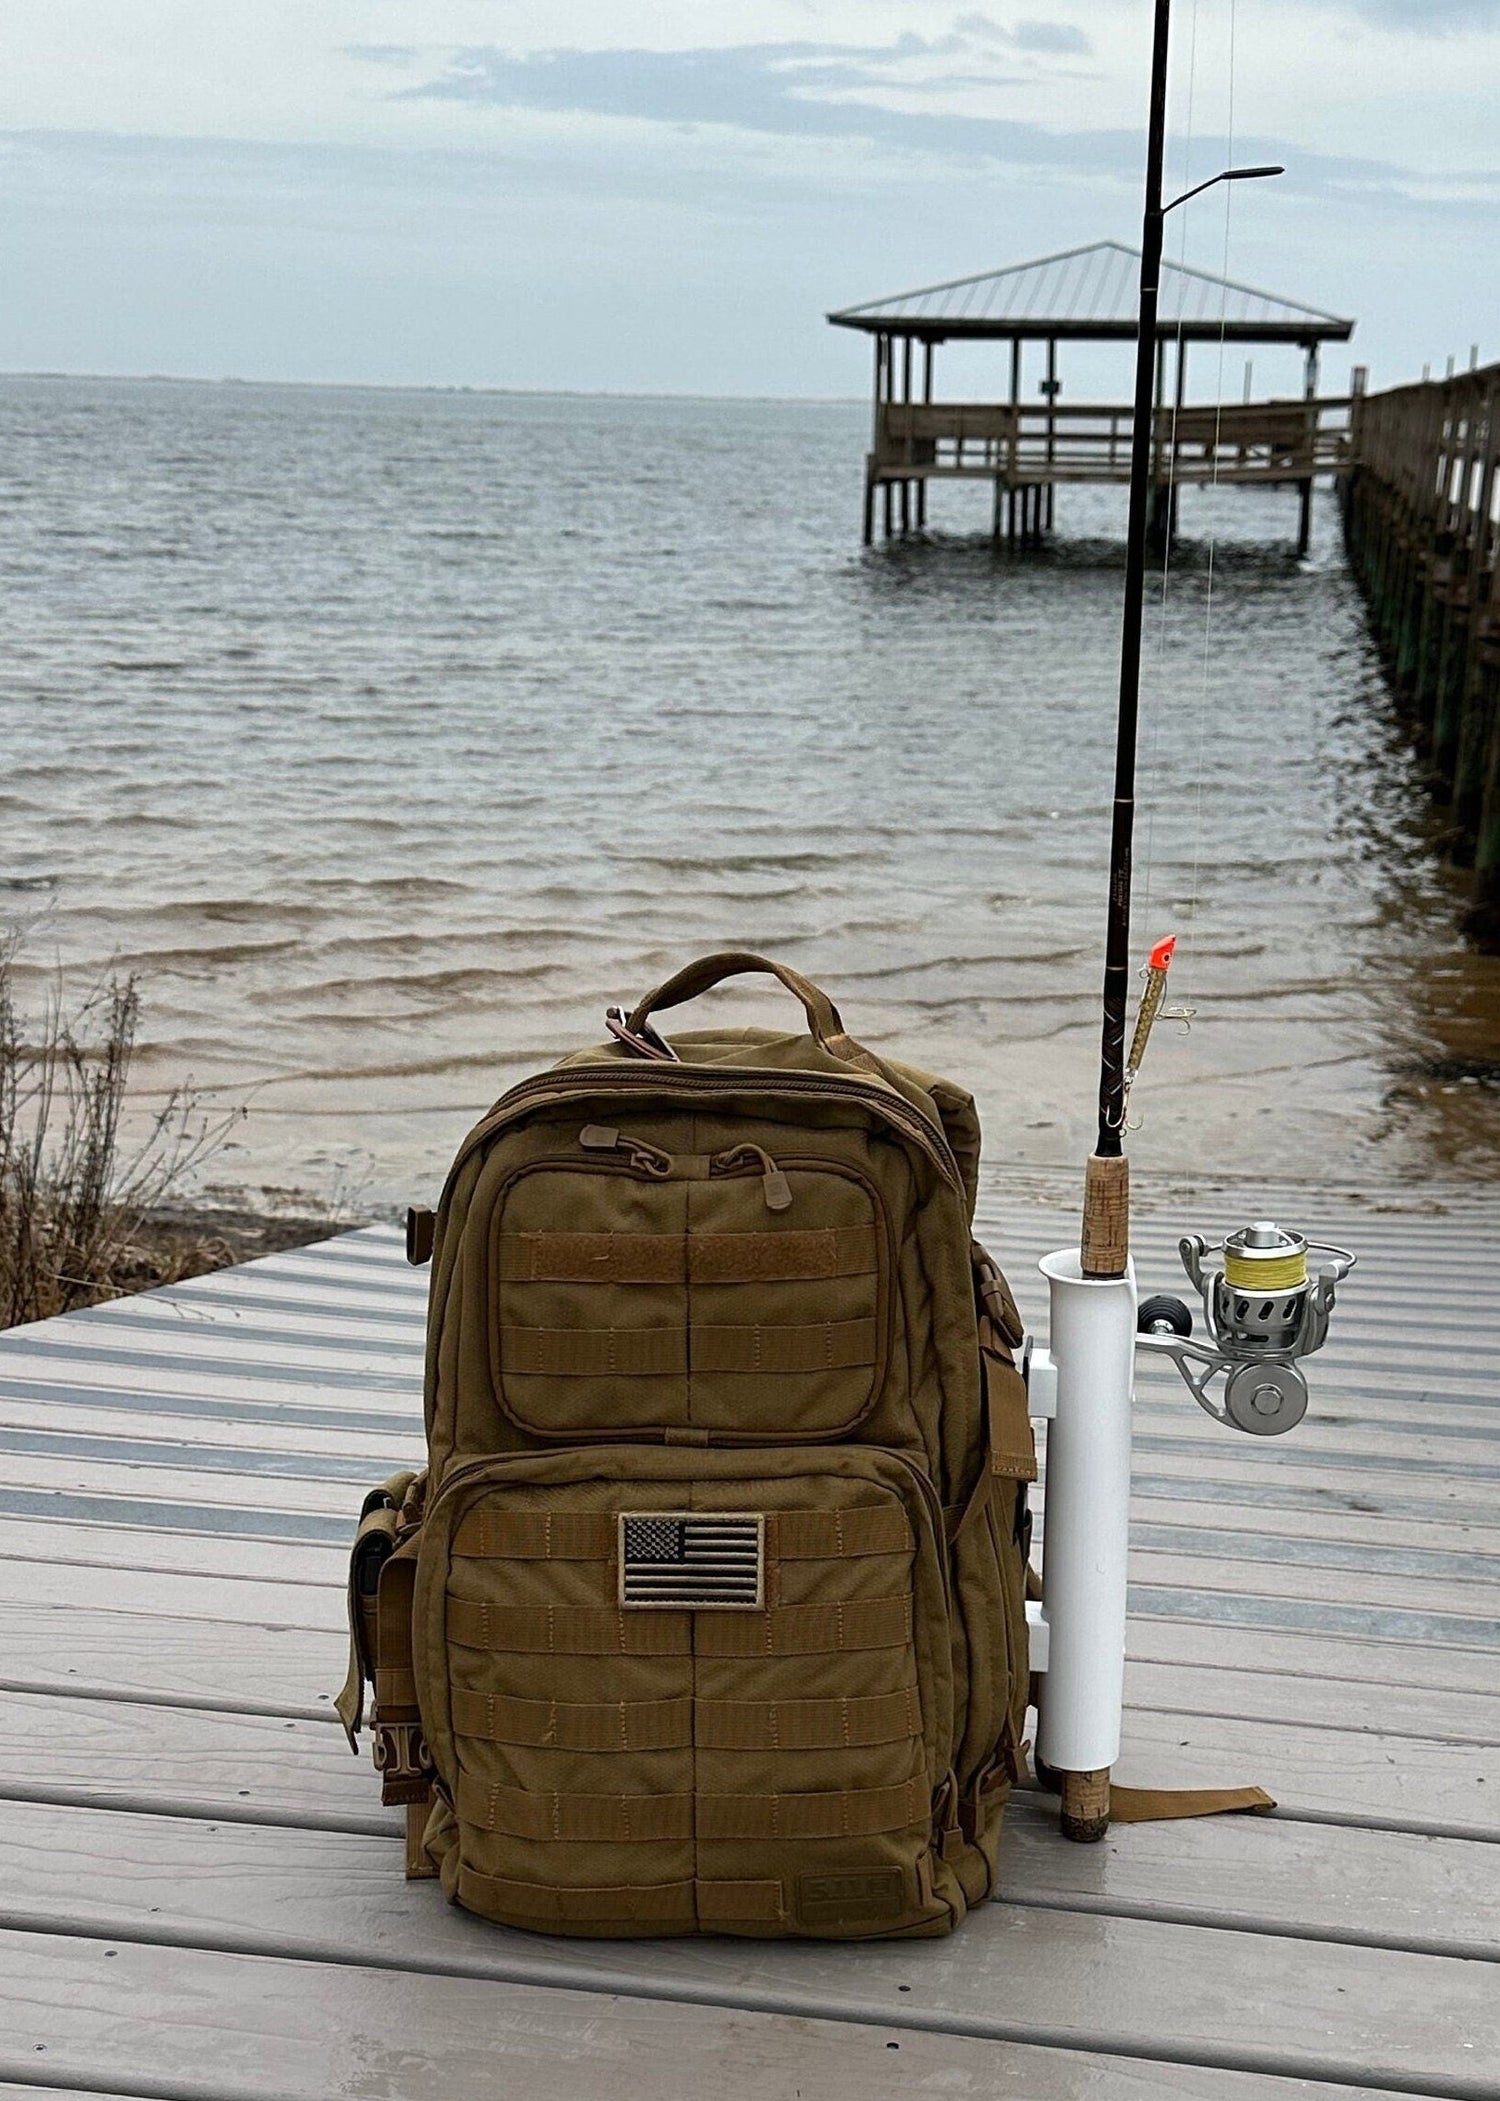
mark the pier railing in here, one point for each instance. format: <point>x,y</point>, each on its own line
<point>1019,444</point>
<point>1422,523</point>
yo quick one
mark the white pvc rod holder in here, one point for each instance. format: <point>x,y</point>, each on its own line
<point>1086,1518</point>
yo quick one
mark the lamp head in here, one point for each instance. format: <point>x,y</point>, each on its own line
<point>1224,175</point>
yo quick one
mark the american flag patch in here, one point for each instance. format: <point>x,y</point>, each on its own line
<point>693,1561</point>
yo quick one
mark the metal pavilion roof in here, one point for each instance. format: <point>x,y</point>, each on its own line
<point>1092,292</point>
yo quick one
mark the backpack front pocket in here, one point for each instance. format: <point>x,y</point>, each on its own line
<point>705,1691</point>
<point>729,1295</point>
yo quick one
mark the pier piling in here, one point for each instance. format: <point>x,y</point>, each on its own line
<point>1419,504</point>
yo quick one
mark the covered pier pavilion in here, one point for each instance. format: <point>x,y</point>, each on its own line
<point>1025,448</point>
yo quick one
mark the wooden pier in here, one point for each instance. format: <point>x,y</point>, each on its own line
<point>1422,524</point>
<point>201,1898</point>
<point>1026,450</point>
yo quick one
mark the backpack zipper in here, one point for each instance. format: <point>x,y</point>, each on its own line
<point>641,1156</point>
<point>929,1498</point>
<point>739,1159</point>
<point>912,1123</point>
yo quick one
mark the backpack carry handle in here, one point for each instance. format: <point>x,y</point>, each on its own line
<point>823,1022</point>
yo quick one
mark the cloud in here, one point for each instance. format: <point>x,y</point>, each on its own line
<point>789,90</point>
<point>803,89</point>
<point>1432,17</point>
<point>829,92</point>
<point>785,90</point>
<point>1059,37</point>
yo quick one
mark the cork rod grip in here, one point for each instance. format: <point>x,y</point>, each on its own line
<point>1084,1813</point>
<point>1106,1216</point>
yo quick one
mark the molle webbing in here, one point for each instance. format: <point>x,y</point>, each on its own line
<point>661,1903</point>
<point>663,1353</point>
<point>663,1725</point>
<point>396,1685</point>
<point>788,1630</point>
<point>573,1725</point>
<point>681,1258</point>
<point>631,1819</point>
<point>592,1535</point>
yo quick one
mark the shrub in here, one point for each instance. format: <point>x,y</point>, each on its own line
<point>75,1201</point>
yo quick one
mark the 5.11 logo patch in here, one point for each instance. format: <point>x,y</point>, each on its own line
<point>852,1898</point>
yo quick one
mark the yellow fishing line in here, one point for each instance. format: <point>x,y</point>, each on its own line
<point>1285,1273</point>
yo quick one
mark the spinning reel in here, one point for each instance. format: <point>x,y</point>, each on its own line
<point>1264,1311</point>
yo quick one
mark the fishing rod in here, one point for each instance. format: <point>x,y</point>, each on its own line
<point>1262,1304</point>
<point>1106,1208</point>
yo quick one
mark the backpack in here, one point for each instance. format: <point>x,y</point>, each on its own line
<point>708,1614</point>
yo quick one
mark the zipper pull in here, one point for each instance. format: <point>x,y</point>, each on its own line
<point>778,1189</point>
<point>644,1158</point>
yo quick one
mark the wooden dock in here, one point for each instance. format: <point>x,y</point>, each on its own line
<point>201,1896</point>
<point>1420,517</point>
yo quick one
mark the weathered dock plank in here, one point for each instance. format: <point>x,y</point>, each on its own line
<point>102,1485</point>
<point>225,1763</point>
<point>190,2025</point>
<point>1095,1980</point>
<point>1277,1876</point>
<point>1320,1658</point>
<point>77,1584</point>
<point>1301,1681</point>
<point>253,1546</point>
<point>1078,1980</point>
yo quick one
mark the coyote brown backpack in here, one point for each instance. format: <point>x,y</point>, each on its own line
<point>708,1614</point>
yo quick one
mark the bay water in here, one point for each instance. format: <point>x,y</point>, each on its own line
<point>388,736</point>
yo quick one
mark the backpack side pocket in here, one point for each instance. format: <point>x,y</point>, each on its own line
<point>374,1540</point>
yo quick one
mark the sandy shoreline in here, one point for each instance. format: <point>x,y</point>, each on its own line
<point>179,1240</point>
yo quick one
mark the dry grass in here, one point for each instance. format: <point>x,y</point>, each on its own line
<point>81,1213</point>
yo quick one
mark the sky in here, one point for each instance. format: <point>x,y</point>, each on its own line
<point>603,195</point>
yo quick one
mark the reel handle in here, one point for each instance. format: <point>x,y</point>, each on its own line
<point>1339,1268</point>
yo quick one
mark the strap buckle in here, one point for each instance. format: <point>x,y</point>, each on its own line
<point>646,1041</point>
<point>997,1775</point>
<point>947,1828</point>
<point>996,1300</point>
<point>400,1755</point>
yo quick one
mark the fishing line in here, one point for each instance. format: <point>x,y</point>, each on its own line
<point>1213,533</point>
<point>1157,703</point>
